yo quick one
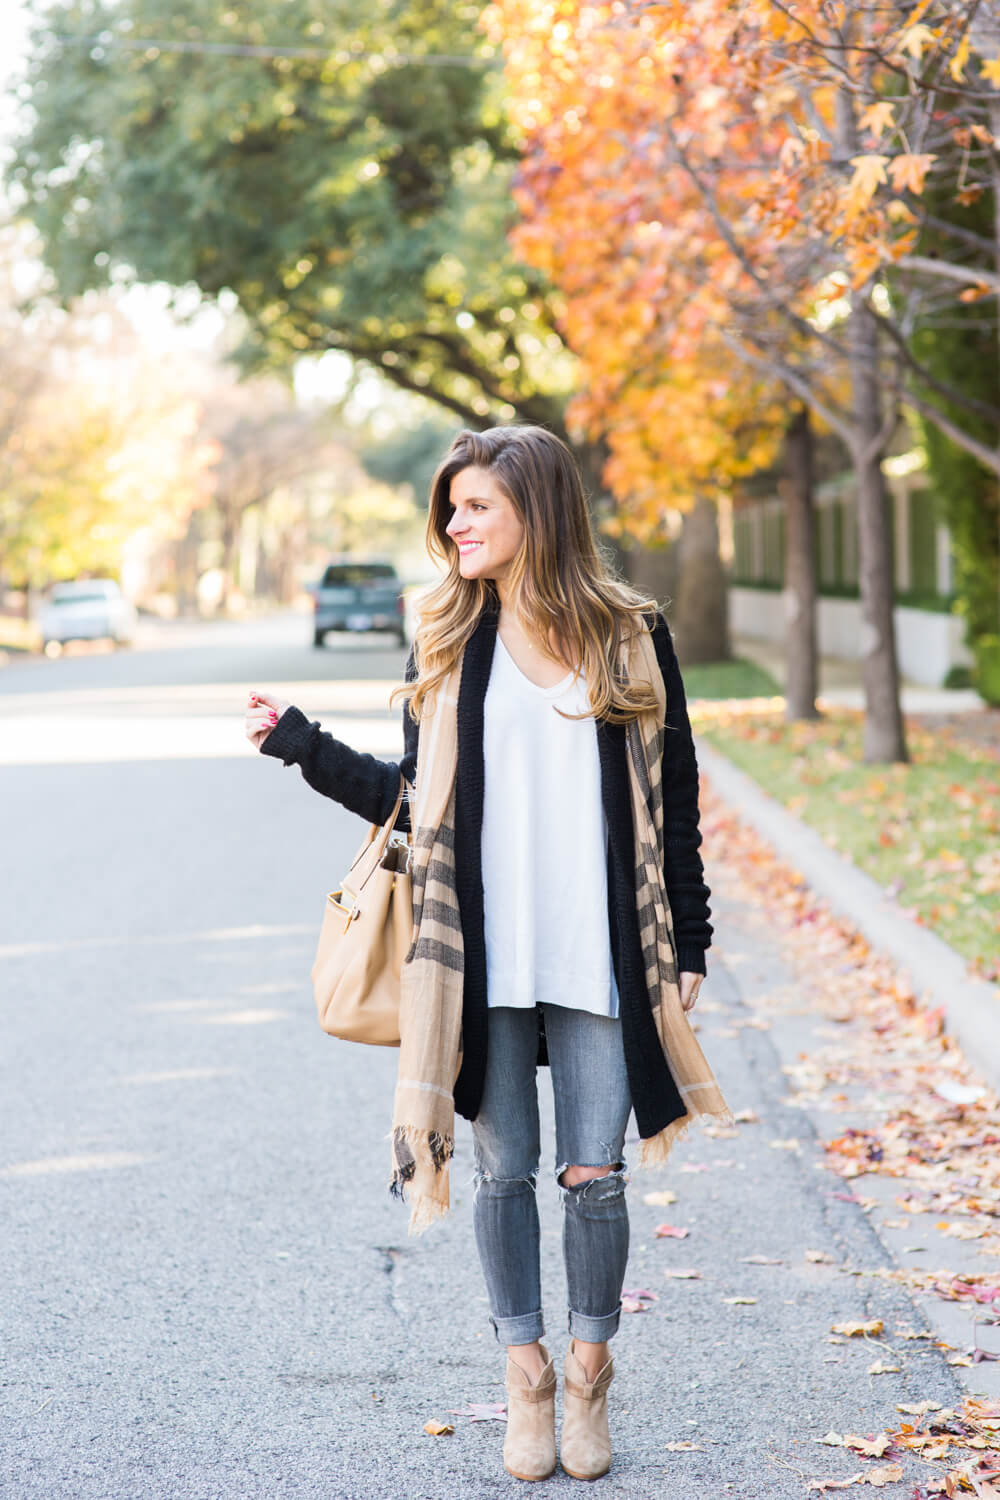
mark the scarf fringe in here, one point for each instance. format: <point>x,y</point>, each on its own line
<point>425,1208</point>
<point>425,1211</point>
<point>655,1150</point>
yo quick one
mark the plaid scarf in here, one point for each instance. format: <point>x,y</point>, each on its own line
<point>430,1015</point>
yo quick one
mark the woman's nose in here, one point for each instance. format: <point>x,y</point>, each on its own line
<point>454,526</point>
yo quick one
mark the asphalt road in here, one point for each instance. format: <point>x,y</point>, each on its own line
<point>207,1293</point>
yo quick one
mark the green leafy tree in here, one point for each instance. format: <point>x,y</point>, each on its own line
<point>344,171</point>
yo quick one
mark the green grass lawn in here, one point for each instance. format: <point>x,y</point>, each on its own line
<point>738,678</point>
<point>929,830</point>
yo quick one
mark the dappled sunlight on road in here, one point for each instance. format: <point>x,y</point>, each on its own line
<point>115,722</point>
<point>95,1161</point>
<point>178,1075</point>
<point>127,940</point>
<point>63,739</point>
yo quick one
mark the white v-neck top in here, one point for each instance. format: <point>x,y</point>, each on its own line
<point>544,844</point>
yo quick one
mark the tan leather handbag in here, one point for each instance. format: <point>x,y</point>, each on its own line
<point>366,933</point>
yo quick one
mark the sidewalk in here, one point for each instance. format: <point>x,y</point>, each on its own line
<point>840,681</point>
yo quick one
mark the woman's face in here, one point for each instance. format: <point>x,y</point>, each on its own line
<point>484,525</point>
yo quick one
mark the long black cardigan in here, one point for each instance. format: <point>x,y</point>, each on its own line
<point>369,787</point>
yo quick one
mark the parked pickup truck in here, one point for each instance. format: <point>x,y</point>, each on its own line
<point>359,596</point>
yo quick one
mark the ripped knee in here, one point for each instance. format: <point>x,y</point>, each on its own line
<point>575,1175</point>
<point>502,1187</point>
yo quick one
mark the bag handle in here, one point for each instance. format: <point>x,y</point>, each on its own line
<point>381,840</point>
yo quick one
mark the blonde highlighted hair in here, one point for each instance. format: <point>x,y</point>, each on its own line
<point>558,584</point>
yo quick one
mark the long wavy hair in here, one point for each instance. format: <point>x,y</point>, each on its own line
<point>559,586</point>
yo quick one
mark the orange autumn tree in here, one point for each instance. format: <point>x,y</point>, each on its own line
<point>599,219</point>
<point>703,177</point>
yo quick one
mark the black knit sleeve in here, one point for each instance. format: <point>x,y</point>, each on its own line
<point>685,877</point>
<point>361,783</point>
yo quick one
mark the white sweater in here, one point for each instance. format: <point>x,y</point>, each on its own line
<point>544,846</point>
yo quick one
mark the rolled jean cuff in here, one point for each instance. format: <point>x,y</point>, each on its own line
<point>594,1330</point>
<point>525,1328</point>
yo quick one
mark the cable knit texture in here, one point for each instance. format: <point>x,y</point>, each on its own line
<point>369,786</point>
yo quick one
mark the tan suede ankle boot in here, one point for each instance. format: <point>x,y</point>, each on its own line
<point>585,1452</point>
<point>529,1448</point>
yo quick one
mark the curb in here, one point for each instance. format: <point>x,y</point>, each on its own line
<point>939,975</point>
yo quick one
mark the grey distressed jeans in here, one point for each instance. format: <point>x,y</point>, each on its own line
<point>592,1106</point>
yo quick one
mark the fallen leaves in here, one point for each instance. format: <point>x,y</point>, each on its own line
<point>439,1429</point>
<point>870,1329</point>
<point>929,1123</point>
<point>740,1301</point>
<point>482,1411</point>
<point>638,1299</point>
<point>683,1447</point>
<point>670,1232</point>
<point>870,1447</point>
<point>884,1474</point>
<point>685,1274</point>
<point>662,1198</point>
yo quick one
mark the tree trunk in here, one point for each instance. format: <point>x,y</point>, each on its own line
<point>229,537</point>
<point>186,566</point>
<point>653,571</point>
<point>883,732</point>
<point>800,571</point>
<point>701,615</point>
<point>591,458</point>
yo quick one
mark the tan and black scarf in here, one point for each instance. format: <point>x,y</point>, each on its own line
<point>430,1020</point>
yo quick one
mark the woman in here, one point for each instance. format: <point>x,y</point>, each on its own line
<point>560,909</point>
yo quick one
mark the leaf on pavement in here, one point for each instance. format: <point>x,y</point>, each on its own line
<point>482,1411</point>
<point>870,1447</point>
<point>740,1301</point>
<point>884,1474</point>
<point>670,1232</point>
<point>820,1486</point>
<point>831,1439</point>
<point>438,1429</point>
<point>762,1260</point>
<point>871,1329</point>
<point>683,1275</point>
<point>660,1199</point>
<point>878,1368</point>
<point>820,1257</point>
<point>681,1447</point>
<point>919,1408</point>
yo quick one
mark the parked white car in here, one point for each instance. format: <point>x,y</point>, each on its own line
<point>87,609</point>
